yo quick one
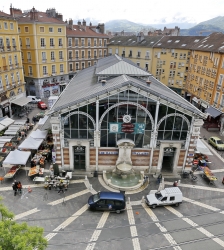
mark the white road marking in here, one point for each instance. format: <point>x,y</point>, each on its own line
<point>193,224</point>
<point>67,222</point>
<point>161,228</point>
<point>97,232</point>
<point>133,229</point>
<point>19,216</point>
<point>201,204</point>
<point>196,187</point>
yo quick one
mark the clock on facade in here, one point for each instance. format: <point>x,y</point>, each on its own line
<point>126,118</point>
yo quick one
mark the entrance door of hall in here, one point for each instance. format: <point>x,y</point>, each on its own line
<point>79,157</point>
<point>168,159</point>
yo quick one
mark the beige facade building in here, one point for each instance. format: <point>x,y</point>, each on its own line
<point>12,85</point>
<point>86,44</point>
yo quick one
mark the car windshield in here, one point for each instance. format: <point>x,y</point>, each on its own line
<point>96,197</point>
<point>158,196</point>
<point>219,142</point>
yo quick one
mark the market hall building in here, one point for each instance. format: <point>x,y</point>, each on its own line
<point>114,100</point>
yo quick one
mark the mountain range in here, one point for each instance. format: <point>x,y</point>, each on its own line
<point>186,29</point>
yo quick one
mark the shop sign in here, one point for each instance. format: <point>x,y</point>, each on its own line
<point>140,153</point>
<point>108,152</point>
<point>131,128</point>
<point>190,154</point>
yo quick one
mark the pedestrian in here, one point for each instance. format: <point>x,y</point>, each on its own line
<point>175,184</point>
<point>34,120</point>
<point>14,187</point>
<point>159,178</point>
<point>223,180</point>
<point>61,185</point>
<point>19,187</point>
<point>28,120</point>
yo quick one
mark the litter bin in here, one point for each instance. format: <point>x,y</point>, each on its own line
<point>63,173</point>
<point>185,175</point>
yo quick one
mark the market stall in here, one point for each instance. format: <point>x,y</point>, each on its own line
<point>10,132</point>
<point>17,158</point>
<point>30,143</point>
<point>36,170</point>
<point>207,174</point>
<point>19,122</point>
<point>38,134</point>
<point>12,171</point>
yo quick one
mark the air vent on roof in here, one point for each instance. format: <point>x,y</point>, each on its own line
<point>148,82</point>
<point>197,40</point>
<point>177,41</point>
<point>103,82</point>
<point>183,44</point>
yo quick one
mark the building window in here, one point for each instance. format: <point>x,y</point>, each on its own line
<point>61,68</point>
<point>77,54</point>
<point>52,42</point>
<point>22,55</point>
<point>26,29</point>
<point>30,70</point>
<point>44,56</point>
<point>60,42</point>
<point>70,67</point>
<point>50,29</point>
<point>116,51</point>
<point>16,59</point>
<point>59,30</point>
<point>76,42</point>
<point>6,80</point>
<point>94,42</point>
<point>44,70</point>
<point>95,55</point>
<point>105,53</point>
<point>18,76</point>
<point>11,26</point>
<point>89,42</point>
<point>105,42</point>
<point>138,64</point>
<point>20,42</point>
<point>94,62</point>
<point>70,55</point>
<point>53,69</point>
<point>8,42</point>
<point>1,85</point>
<point>83,54</point>
<point>5,25</point>
<point>10,60</point>
<point>61,55</point>
<point>19,29</point>
<point>27,42</point>
<point>77,66</point>
<point>89,54</point>
<point>70,42</point>
<point>83,42</point>
<point>89,64</point>
<point>28,56</point>
<point>147,55</point>
<point>42,42</point>
<point>100,42</point>
<point>41,29</point>
<point>221,77</point>
<point>14,42</point>
<point>52,56</point>
<point>83,65</point>
<point>1,43</point>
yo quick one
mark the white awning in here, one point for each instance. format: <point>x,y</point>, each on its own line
<point>42,120</point>
<point>201,147</point>
<point>38,134</point>
<point>195,99</point>
<point>30,143</point>
<point>21,101</point>
<point>20,122</point>
<point>6,122</point>
<point>2,144</point>
<point>5,140</point>
<point>17,157</point>
<point>188,94</point>
<point>204,105</point>
<point>2,127</point>
<point>10,132</point>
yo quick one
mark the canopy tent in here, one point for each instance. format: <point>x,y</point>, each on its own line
<point>2,144</point>
<point>13,128</point>
<point>201,147</point>
<point>10,132</point>
<point>22,101</point>
<point>19,122</point>
<point>38,134</point>
<point>17,157</point>
<point>213,112</point>
<point>5,140</point>
<point>30,143</point>
<point>2,127</point>
<point>43,120</point>
<point>6,137</point>
<point>6,122</point>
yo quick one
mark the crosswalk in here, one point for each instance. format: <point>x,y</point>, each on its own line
<point>152,216</point>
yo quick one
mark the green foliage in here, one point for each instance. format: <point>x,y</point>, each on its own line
<point>19,236</point>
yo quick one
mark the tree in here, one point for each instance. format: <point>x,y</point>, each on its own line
<point>19,236</point>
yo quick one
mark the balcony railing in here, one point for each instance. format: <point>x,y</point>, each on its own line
<point>61,72</point>
<point>138,56</point>
<point>61,59</point>
<point>30,74</point>
<point>89,57</point>
<point>70,70</point>
<point>147,57</point>
<point>53,73</point>
<point>45,74</point>
<point>77,58</point>
<point>52,45</point>
<point>53,59</point>
<point>8,48</point>
<point>2,48</point>
<point>28,45</point>
<point>44,60</point>
<point>60,45</point>
<point>43,45</point>
<point>29,60</point>
<point>70,58</point>
<point>95,57</point>
<point>14,47</point>
<point>130,55</point>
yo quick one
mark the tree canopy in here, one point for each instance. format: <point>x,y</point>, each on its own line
<point>19,236</point>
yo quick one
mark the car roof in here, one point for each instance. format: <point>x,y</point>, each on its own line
<point>111,195</point>
<point>215,137</point>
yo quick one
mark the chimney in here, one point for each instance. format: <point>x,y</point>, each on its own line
<point>70,24</point>
<point>79,23</point>
<point>11,11</point>
<point>15,12</point>
<point>59,16</point>
<point>84,22</point>
<point>90,24</point>
<point>101,28</point>
<point>148,83</point>
<point>33,14</point>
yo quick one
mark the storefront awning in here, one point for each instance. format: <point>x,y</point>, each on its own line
<point>213,112</point>
<point>201,147</point>
<point>21,101</point>
<point>204,105</point>
<point>195,99</point>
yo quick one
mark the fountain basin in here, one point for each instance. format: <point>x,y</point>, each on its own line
<point>124,167</point>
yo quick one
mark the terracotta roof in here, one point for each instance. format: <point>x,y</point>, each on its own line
<point>42,17</point>
<point>211,43</point>
<point>78,31</point>
<point>178,42</point>
<point>3,14</point>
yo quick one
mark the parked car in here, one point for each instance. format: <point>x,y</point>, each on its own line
<point>216,142</point>
<point>33,99</point>
<point>41,105</point>
<point>107,201</point>
<point>168,196</point>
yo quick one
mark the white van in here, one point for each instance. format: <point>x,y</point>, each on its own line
<point>33,99</point>
<point>168,196</point>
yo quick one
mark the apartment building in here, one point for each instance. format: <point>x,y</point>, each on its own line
<point>138,48</point>
<point>86,44</point>
<point>44,52</point>
<point>12,84</point>
<point>206,72</point>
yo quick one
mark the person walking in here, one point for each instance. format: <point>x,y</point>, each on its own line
<point>61,185</point>
<point>14,187</point>
<point>19,187</point>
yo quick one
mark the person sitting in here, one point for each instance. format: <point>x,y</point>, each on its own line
<point>19,187</point>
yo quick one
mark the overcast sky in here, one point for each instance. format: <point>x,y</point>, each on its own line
<point>142,11</point>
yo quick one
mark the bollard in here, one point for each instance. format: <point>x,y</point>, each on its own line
<point>86,179</point>
<point>143,199</point>
<point>129,200</point>
<point>90,187</point>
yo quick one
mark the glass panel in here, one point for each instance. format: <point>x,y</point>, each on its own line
<point>160,135</point>
<point>169,123</point>
<point>185,127</point>
<point>103,139</point>
<point>183,135</point>
<point>82,121</point>
<point>90,134</point>
<point>139,140</point>
<point>112,140</point>
<point>176,135</point>
<point>83,133</point>
<point>162,125</point>
<point>74,133</point>
<point>66,133</point>
<point>147,137</point>
<point>167,135</point>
